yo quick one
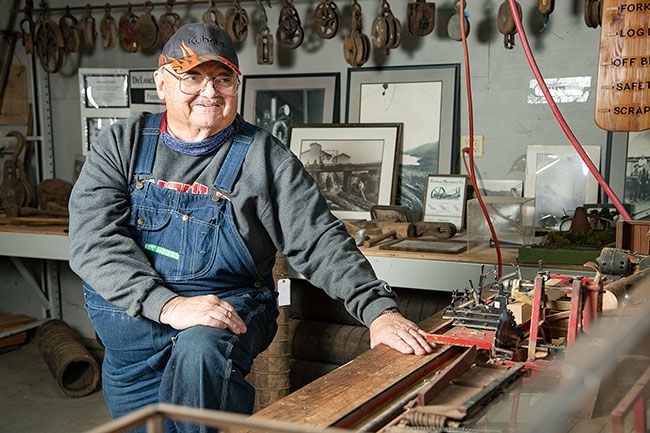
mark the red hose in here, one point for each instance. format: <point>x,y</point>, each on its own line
<point>471,172</point>
<point>556,111</point>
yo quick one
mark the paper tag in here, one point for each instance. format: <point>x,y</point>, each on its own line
<point>284,292</point>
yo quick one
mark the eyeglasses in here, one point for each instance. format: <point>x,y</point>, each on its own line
<point>193,84</point>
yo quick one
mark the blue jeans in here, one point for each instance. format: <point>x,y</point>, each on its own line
<point>146,362</point>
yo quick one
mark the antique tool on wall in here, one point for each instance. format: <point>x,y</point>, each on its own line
<point>356,45</point>
<point>290,33</point>
<point>327,19</point>
<point>49,44</point>
<point>146,29</point>
<point>593,13</point>
<point>53,195</point>
<point>545,7</point>
<point>453,26</point>
<point>386,29</point>
<point>437,230</point>
<point>27,32</point>
<point>264,39</point>
<point>128,40</point>
<point>15,190</point>
<point>70,30</point>
<point>371,241</point>
<point>168,23</point>
<point>421,17</point>
<point>237,22</point>
<point>213,16</point>
<point>506,24</point>
<point>108,28</point>
<point>88,28</point>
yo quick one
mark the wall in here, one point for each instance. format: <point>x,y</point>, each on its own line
<point>500,77</point>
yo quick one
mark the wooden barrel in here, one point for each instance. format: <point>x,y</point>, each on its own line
<point>304,372</point>
<point>329,343</point>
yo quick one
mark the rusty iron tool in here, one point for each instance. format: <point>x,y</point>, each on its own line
<point>374,240</point>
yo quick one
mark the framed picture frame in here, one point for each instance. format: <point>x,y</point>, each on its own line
<point>274,102</point>
<point>559,181</point>
<point>106,90</point>
<point>637,174</point>
<point>425,99</point>
<point>445,199</point>
<point>92,127</point>
<point>354,165</point>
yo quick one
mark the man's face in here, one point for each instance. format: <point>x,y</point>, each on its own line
<point>208,111</point>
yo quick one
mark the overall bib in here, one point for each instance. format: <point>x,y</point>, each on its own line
<point>193,243</point>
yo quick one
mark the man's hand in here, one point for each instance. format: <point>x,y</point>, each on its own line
<point>207,310</point>
<point>395,331</point>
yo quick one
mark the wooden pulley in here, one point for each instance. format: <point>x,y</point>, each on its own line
<point>88,30</point>
<point>146,29</point>
<point>379,32</point>
<point>453,26</point>
<point>237,22</point>
<point>128,41</point>
<point>70,30</point>
<point>15,190</point>
<point>397,34</point>
<point>386,29</point>
<point>327,19</point>
<point>213,16</point>
<point>289,33</point>
<point>264,42</point>
<point>592,13</point>
<point>108,28</point>
<point>506,24</point>
<point>421,17</point>
<point>168,23</point>
<point>50,46</point>
<point>356,45</point>
<point>53,194</point>
<point>27,34</point>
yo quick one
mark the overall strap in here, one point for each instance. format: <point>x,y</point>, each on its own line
<point>235,159</point>
<point>146,153</point>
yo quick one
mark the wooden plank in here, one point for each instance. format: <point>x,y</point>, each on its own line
<point>473,255</point>
<point>44,230</point>
<point>623,86</point>
<point>331,397</point>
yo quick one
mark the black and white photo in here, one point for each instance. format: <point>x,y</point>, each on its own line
<point>424,99</point>
<point>445,199</point>
<point>354,165</point>
<point>637,174</point>
<point>94,125</point>
<point>274,102</point>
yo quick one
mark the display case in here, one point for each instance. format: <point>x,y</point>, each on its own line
<point>512,217</point>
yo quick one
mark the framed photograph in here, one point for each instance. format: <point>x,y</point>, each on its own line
<point>637,174</point>
<point>445,199</point>
<point>274,102</point>
<point>560,181</point>
<point>106,90</point>
<point>426,100</point>
<point>93,127</point>
<point>354,165</point>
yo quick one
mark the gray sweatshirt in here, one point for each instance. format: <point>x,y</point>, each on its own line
<point>277,206</point>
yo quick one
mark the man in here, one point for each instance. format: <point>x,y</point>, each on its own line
<point>174,225</point>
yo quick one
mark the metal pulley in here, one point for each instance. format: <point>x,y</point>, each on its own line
<point>49,44</point>
<point>128,41</point>
<point>168,23</point>
<point>453,26</point>
<point>108,28</point>
<point>237,22</point>
<point>290,33</point>
<point>356,45</point>
<point>506,24</point>
<point>264,39</point>
<point>146,29</point>
<point>421,17</point>
<point>213,16</point>
<point>327,19</point>
<point>386,29</point>
<point>69,27</point>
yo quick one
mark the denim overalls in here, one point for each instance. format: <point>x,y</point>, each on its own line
<point>193,243</point>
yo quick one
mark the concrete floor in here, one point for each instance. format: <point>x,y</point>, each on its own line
<point>30,400</point>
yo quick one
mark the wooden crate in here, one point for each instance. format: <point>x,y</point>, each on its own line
<point>633,236</point>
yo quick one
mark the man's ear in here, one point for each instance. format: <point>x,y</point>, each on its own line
<point>158,76</point>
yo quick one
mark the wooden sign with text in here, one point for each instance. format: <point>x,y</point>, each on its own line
<point>623,89</point>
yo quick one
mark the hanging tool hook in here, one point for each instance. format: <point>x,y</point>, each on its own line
<point>264,18</point>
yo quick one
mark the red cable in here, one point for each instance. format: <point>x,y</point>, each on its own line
<point>556,111</point>
<point>471,172</point>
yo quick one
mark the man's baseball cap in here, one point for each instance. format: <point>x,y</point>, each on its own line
<point>197,43</point>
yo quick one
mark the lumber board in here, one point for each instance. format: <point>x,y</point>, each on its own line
<point>36,230</point>
<point>330,398</point>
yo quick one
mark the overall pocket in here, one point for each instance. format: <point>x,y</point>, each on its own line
<point>179,246</point>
